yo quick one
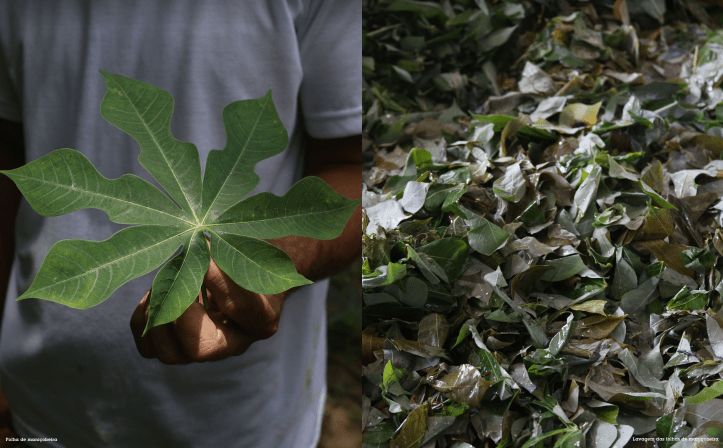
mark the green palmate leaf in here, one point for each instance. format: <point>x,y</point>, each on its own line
<point>254,133</point>
<point>81,274</point>
<point>310,208</point>
<point>144,112</point>
<point>178,282</point>
<point>65,181</point>
<point>254,264</point>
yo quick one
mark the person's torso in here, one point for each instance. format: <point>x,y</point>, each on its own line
<point>76,375</point>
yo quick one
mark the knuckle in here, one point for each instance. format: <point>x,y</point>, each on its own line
<point>269,327</point>
<point>208,348</point>
<point>232,306</point>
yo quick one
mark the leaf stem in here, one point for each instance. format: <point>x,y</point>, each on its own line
<point>204,295</point>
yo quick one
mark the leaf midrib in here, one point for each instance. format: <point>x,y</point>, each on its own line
<point>113,198</point>
<point>115,261</point>
<point>284,217</point>
<point>186,255</point>
<point>251,260</point>
<point>236,162</point>
<point>160,149</point>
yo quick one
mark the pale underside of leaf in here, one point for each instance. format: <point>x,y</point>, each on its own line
<point>178,283</point>
<point>255,132</point>
<point>144,112</point>
<point>311,208</point>
<point>65,181</point>
<point>81,274</point>
<point>255,265</point>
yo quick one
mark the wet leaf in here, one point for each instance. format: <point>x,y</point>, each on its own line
<point>512,186</point>
<point>618,171</point>
<point>415,194</point>
<point>603,435</point>
<point>535,81</point>
<point>715,335</point>
<point>412,430</point>
<point>584,181</point>
<point>430,269</point>
<point>659,223</point>
<point>421,7</point>
<point>591,306</point>
<point>671,254</point>
<point>558,341</point>
<point>496,38</point>
<point>449,253</point>
<point>640,369</point>
<point>576,113</point>
<point>563,268</point>
<point>548,107</point>
<point>656,198</point>
<point>585,194</point>
<point>464,384</point>
<point>391,375</point>
<point>597,327</point>
<point>707,393</point>
<point>635,299</point>
<point>433,330</point>
<point>688,300</point>
<point>654,8</point>
<point>486,237</point>
<point>385,215</point>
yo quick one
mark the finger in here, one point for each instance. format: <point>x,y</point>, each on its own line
<point>138,323</point>
<point>167,345</point>
<point>256,314</point>
<point>205,339</point>
<point>219,284</point>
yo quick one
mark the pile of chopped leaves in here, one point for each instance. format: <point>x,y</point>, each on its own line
<point>543,243</point>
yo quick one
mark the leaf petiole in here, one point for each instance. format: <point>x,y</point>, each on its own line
<point>204,296</point>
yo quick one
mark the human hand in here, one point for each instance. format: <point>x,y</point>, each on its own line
<point>232,320</point>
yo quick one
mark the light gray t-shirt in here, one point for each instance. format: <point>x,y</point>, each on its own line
<point>76,375</point>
